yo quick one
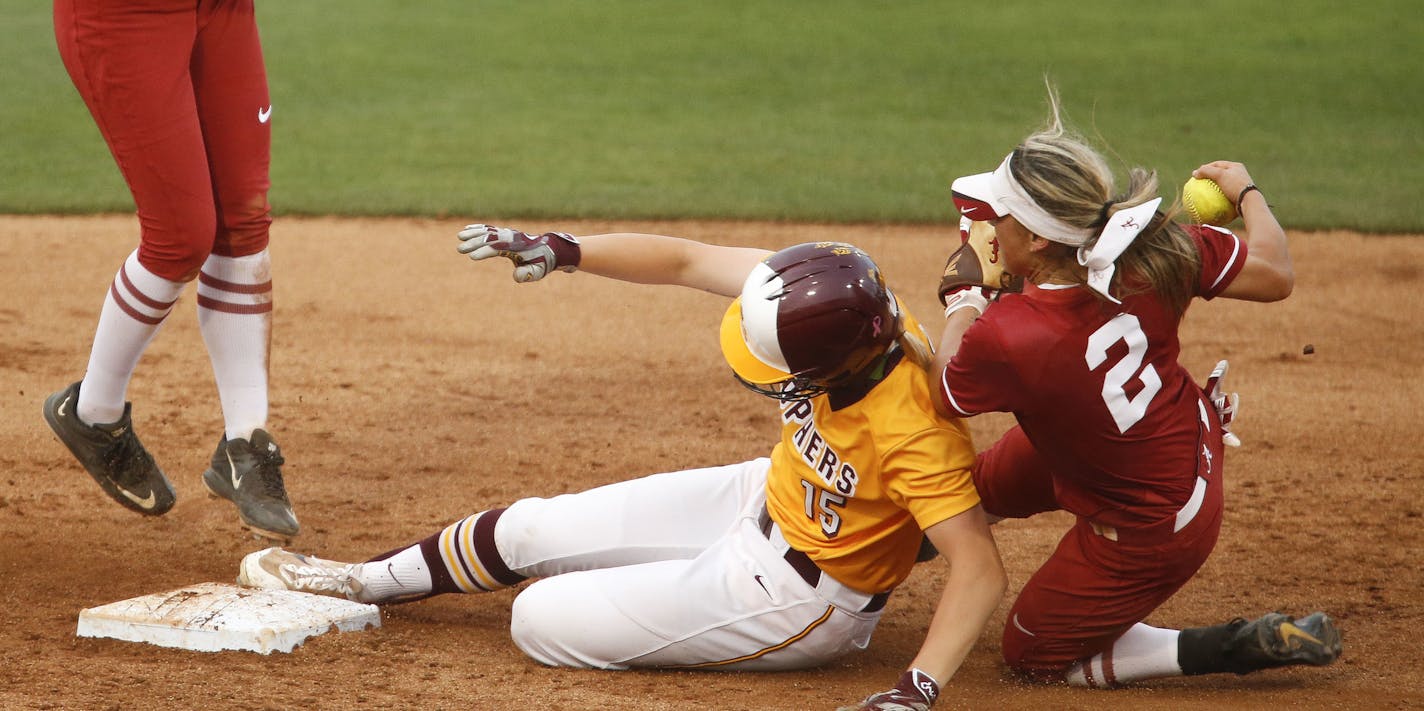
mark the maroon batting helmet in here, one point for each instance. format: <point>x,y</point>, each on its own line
<point>810,317</point>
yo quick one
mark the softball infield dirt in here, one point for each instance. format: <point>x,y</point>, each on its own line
<point>411,387</point>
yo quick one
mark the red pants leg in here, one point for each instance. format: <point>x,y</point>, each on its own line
<point>1012,479</point>
<point>1092,589</point>
<point>235,108</point>
<point>134,65</point>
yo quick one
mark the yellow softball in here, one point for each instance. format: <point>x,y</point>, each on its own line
<point>1205,202</point>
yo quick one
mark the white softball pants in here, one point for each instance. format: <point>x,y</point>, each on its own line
<point>672,570</point>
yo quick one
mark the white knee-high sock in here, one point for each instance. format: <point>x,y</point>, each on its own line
<point>137,302</point>
<point>235,317</point>
<point>1143,652</point>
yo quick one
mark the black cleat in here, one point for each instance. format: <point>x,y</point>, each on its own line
<point>249,474</point>
<point>1277,640</point>
<point>111,454</point>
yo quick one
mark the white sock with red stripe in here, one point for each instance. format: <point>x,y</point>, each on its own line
<point>137,302</point>
<point>235,317</point>
<point>1143,652</point>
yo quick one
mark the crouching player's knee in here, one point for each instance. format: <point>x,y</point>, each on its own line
<point>1038,659</point>
<point>554,625</point>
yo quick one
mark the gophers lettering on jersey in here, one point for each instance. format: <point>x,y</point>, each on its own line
<point>857,477</point>
<point>835,471</point>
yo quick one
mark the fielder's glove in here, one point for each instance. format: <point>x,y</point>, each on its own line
<point>976,264</point>
<point>916,691</point>
<point>533,256</point>
<point>1224,403</point>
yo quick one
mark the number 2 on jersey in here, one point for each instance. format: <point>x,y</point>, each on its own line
<point>1126,411</point>
<point>819,503</point>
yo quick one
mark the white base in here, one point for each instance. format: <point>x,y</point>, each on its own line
<point>212,617</point>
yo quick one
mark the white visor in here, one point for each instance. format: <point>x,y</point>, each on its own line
<point>993,195</point>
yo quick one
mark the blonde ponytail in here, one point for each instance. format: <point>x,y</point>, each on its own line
<point>1069,179</point>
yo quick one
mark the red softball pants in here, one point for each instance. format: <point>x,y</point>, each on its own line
<point>178,89</point>
<point>1099,581</point>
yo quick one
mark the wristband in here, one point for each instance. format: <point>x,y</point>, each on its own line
<point>566,248</point>
<point>918,681</point>
<point>966,298</point>
<point>1242,195</point>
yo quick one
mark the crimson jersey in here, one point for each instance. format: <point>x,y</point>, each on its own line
<point>1096,388</point>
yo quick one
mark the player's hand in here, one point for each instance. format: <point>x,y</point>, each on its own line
<point>1224,403</point>
<point>1231,177</point>
<point>916,691</point>
<point>533,256</point>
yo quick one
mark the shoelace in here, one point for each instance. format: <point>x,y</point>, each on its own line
<point>272,479</point>
<point>128,459</point>
<point>314,578</point>
<point>269,473</point>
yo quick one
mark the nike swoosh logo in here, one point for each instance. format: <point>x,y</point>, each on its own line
<point>232,470</point>
<point>264,114</point>
<point>1290,631</point>
<point>62,405</point>
<point>1021,627</point>
<point>145,504</point>
<point>762,584</point>
<point>391,571</point>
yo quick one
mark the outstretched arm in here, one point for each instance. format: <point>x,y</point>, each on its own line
<point>657,259</point>
<point>1268,274</point>
<point>627,256</point>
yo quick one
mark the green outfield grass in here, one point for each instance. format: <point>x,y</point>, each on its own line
<point>834,110</point>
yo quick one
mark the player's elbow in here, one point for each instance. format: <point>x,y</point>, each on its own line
<point>968,543</point>
<point>994,578</point>
<point>1286,288</point>
<point>1262,283</point>
<point>1280,285</point>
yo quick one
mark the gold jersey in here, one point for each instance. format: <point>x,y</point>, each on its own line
<point>854,481</point>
